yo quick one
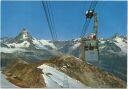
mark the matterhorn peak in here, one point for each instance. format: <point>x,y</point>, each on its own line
<point>24,35</point>
<point>24,30</point>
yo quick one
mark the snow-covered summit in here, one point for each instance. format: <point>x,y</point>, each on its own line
<point>23,36</point>
<point>25,40</point>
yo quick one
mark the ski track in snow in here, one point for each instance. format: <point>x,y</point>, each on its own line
<point>56,79</point>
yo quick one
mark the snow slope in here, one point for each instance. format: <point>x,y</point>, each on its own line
<point>76,46</point>
<point>37,43</point>
<point>56,79</point>
<point>120,43</point>
<point>19,45</point>
<point>10,50</point>
<point>42,43</point>
<point>25,40</point>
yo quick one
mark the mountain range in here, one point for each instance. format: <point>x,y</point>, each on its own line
<point>112,53</point>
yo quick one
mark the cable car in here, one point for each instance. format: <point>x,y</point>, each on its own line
<point>89,14</point>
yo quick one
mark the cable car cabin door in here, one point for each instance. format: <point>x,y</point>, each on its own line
<point>91,51</point>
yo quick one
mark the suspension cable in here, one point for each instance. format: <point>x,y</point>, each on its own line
<point>54,29</point>
<point>49,17</point>
<point>86,24</point>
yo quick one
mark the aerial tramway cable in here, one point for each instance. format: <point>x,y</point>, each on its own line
<point>51,24</point>
<point>50,20</point>
<point>86,24</point>
<point>54,29</point>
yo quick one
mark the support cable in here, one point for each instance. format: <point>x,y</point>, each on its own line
<point>49,18</point>
<point>86,24</point>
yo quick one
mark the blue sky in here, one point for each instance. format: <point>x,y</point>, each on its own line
<point>69,18</point>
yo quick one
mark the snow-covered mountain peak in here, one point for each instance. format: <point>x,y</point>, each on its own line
<point>117,38</point>
<point>25,40</point>
<point>24,35</point>
<point>43,43</point>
